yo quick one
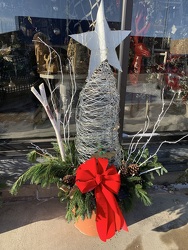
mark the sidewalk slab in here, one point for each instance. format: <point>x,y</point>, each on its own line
<point>40,225</point>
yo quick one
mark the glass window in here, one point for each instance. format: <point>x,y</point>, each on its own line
<point>31,35</point>
<point>158,74</point>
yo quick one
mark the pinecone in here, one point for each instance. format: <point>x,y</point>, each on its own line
<point>124,171</point>
<point>69,180</point>
<point>133,169</point>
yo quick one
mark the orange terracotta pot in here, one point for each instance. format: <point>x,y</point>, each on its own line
<point>87,226</point>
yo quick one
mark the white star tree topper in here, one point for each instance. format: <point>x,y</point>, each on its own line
<point>102,42</point>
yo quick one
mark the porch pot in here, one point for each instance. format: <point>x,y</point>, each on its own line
<point>87,226</point>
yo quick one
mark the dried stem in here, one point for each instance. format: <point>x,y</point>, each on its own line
<point>54,121</point>
<point>133,146</point>
<point>163,142</point>
<point>54,111</point>
<point>156,125</point>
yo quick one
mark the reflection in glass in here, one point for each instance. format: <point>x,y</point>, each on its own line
<point>158,75</point>
<point>27,62</point>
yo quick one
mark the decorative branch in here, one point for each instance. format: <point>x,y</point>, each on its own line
<point>52,91</point>
<point>160,117</point>
<point>68,111</point>
<point>156,125</point>
<point>163,142</point>
<point>133,146</point>
<point>131,150</point>
<point>54,121</point>
<point>54,111</point>
<point>149,170</point>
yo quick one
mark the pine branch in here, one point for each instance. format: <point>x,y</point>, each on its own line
<point>80,206</point>
<point>127,203</point>
<point>21,180</point>
<point>142,195</point>
<point>45,173</point>
<point>134,179</point>
<point>32,156</point>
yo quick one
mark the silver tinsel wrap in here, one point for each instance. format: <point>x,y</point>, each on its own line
<point>97,119</point>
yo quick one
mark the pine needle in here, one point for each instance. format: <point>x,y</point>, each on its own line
<point>142,195</point>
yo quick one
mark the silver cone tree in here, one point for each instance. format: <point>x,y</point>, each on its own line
<point>97,118</point>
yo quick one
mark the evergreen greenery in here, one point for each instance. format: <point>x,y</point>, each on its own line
<point>81,206</point>
<point>52,170</point>
<point>136,186</point>
<point>49,170</point>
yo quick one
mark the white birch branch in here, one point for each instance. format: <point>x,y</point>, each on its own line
<point>156,125</point>
<point>54,121</point>
<point>150,170</point>
<point>163,142</point>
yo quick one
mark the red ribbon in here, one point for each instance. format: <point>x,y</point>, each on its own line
<point>95,174</point>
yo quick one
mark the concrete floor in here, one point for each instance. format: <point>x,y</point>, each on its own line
<point>40,224</point>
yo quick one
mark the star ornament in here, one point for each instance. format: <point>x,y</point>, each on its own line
<point>102,42</point>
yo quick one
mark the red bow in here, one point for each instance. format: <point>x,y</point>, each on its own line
<point>94,174</point>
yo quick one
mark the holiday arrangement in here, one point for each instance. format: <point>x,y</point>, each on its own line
<point>96,185</point>
<point>94,173</point>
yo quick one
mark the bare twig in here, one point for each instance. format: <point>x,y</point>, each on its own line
<point>54,121</point>
<point>54,111</point>
<point>163,142</point>
<point>156,125</point>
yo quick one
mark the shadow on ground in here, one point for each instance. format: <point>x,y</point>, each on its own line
<point>173,207</point>
<point>173,204</point>
<point>20,213</point>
